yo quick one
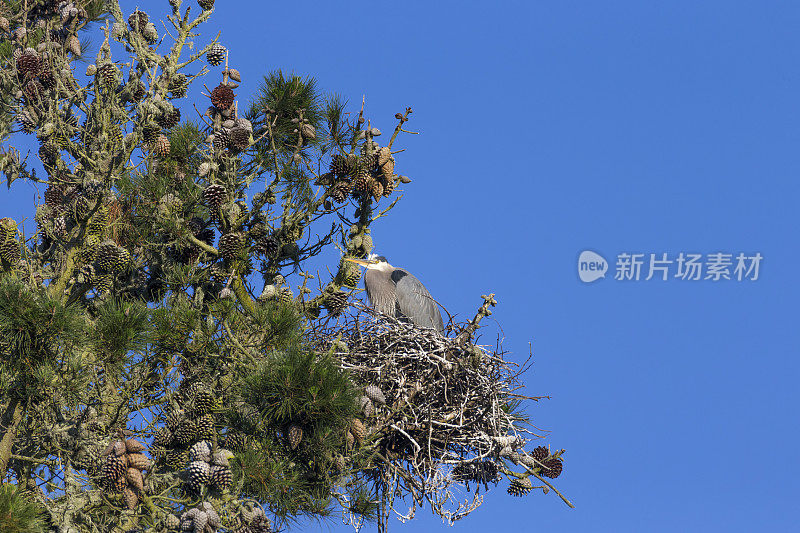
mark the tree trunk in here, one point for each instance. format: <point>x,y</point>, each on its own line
<point>11,419</point>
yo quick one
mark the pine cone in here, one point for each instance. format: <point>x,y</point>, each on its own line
<point>150,33</point>
<point>388,185</point>
<point>235,441</point>
<point>170,119</point>
<point>118,447</point>
<point>360,185</point>
<point>174,418</point>
<point>384,155</point>
<point>112,258</point>
<point>133,446</point>
<point>352,275</point>
<point>117,485</point>
<point>520,487</point>
<point>257,231</point>
<point>365,404</point>
<point>369,163</point>
<point>138,20</point>
<point>138,461</point>
<point>199,474</point>
<point>552,467</point>
<point>267,245</point>
<point>340,463</point>
<point>366,244</point>
<point>116,135</point>
<point>178,85</point>
<point>231,245</point>
<point>387,168</point>
<point>172,522</point>
<point>107,74</point>
<point>162,437</point>
<point>375,394</point>
<point>134,478</point>
<point>214,196</point>
<point>463,472</point>
<point>113,468</point>
<point>73,44</point>
<point>28,65</point>
<point>46,78</point>
<point>222,457</point>
<point>161,147</point>
<point>221,140</point>
<point>222,97</point>
<point>340,191</point>
<point>216,54</point>
<point>53,196</point>
<point>8,229</point>
<point>376,188</point>
<point>103,284</point>
<point>285,296</point>
<point>176,459</point>
<point>27,119</point>
<point>186,432</point>
<point>294,434</point>
<point>150,133</point>
<point>204,402</point>
<point>343,165</point>
<point>34,91</point>
<point>239,139</point>
<point>540,453</point>
<point>221,477</point>
<point>48,153</point>
<point>205,5</point>
<point>213,517</point>
<point>485,472</point>
<point>205,427</point>
<point>59,227</point>
<point>200,451</point>
<point>336,303</point>
<point>358,430</point>
<point>138,91</point>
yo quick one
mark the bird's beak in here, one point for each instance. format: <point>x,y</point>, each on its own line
<point>360,262</point>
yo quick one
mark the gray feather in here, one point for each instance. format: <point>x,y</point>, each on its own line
<point>415,302</point>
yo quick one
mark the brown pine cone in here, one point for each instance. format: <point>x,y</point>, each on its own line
<point>222,96</point>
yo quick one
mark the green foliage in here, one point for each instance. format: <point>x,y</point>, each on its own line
<point>280,326</point>
<point>185,141</point>
<point>363,502</point>
<point>302,387</point>
<point>282,96</point>
<point>516,409</point>
<point>121,328</point>
<point>173,325</point>
<point>34,328</point>
<point>17,513</point>
<point>299,387</point>
<point>334,113</point>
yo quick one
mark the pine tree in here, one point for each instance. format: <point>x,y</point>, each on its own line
<point>158,369</point>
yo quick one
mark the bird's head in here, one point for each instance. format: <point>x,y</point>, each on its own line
<point>372,262</point>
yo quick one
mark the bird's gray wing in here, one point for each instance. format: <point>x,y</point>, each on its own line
<point>415,302</point>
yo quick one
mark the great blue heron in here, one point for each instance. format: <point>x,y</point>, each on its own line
<point>395,292</point>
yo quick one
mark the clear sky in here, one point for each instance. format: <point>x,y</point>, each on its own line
<point>549,128</point>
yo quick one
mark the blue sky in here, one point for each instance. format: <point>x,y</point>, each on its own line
<point>548,128</point>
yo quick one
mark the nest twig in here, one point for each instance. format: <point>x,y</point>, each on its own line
<point>450,413</point>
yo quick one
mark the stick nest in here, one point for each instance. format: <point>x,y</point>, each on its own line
<point>451,412</point>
